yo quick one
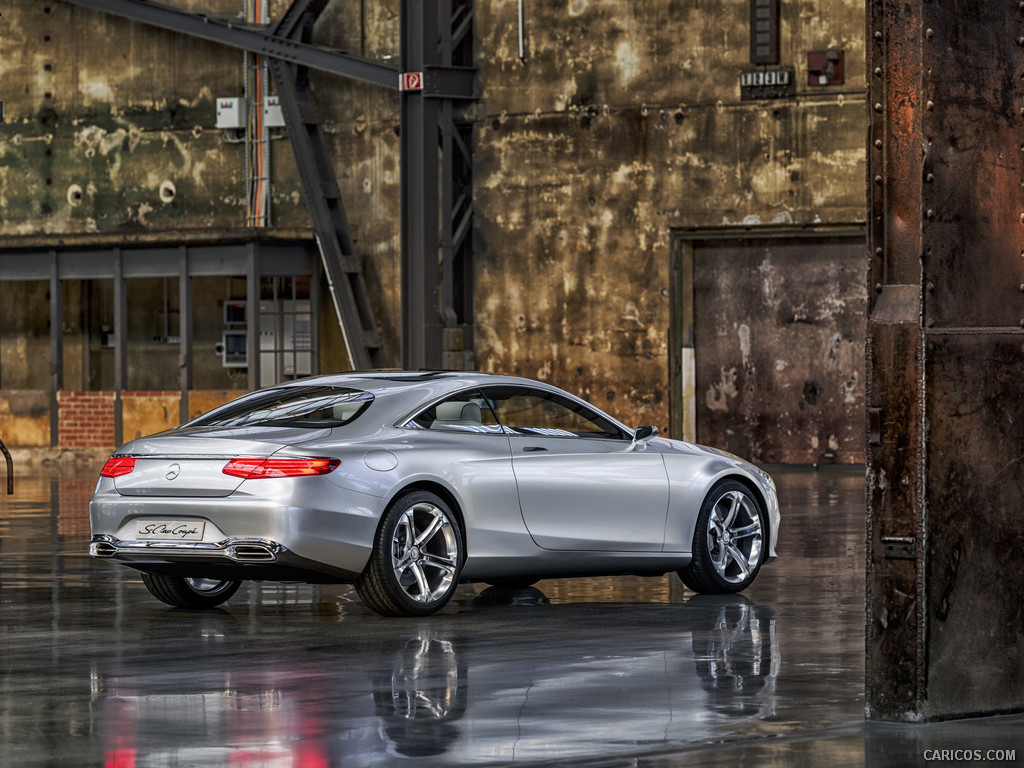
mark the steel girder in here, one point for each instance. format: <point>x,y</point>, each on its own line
<point>237,34</point>
<point>436,152</point>
<point>437,45</point>
<point>323,198</point>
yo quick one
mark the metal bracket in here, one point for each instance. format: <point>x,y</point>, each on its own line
<point>899,547</point>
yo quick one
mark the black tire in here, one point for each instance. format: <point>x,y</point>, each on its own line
<point>729,541</point>
<point>416,560</point>
<point>189,593</point>
<point>512,582</point>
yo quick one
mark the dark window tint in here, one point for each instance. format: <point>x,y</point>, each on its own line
<point>314,407</point>
<point>527,411</point>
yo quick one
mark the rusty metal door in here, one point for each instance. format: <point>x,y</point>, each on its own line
<point>778,338</point>
<point>945,395</point>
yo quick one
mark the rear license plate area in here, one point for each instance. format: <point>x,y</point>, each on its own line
<point>170,530</point>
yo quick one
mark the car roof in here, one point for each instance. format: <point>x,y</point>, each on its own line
<point>381,380</point>
<point>402,393</point>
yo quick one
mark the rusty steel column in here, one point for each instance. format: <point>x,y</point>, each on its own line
<point>945,359</point>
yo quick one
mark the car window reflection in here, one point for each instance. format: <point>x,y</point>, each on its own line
<point>545,414</point>
<point>465,412</point>
<point>314,407</point>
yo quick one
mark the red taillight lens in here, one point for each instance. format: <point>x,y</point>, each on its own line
<point>254,469</point>
<point>117,466</point>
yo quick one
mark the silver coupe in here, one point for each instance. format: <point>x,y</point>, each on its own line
<point>407,484</point>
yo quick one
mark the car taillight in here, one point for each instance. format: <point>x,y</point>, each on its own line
<point>254,469</point>
<point>117,466</point>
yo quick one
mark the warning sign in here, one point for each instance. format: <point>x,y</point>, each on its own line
<point>410,81</point>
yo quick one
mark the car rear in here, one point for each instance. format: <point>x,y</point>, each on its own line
<point>246,494</point>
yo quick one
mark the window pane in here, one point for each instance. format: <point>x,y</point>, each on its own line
<point>153,345</point>
<point>291,407</point>
<point>465,412</point>
<point>535,412</point>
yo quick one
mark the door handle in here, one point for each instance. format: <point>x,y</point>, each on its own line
<point>533,448</point>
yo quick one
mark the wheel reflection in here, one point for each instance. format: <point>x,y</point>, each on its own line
<point>502,681</point>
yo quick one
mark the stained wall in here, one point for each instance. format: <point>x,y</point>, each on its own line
<point>620,126</point>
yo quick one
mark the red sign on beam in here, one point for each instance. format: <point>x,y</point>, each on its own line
<point>410,81</point>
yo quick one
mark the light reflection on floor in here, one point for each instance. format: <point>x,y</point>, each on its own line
<point>601,671</point>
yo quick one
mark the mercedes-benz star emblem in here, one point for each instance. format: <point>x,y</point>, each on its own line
<point>173,471</point>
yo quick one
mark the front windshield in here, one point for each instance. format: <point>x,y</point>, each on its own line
<point>315,407</point>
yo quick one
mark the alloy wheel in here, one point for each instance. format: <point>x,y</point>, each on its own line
<point>735,536</point>
<point>425,553</point>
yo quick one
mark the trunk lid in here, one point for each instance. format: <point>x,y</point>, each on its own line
<point>189,461</point>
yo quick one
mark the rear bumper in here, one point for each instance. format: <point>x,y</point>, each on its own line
<point>231,558</point>
<point>291,530</point>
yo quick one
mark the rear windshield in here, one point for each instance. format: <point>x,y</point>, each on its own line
<point>314,407</point>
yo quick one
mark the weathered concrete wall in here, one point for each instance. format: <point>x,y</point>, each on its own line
<point>103,114</point>
<point>623,123</point>
<point>24,417</point>
<point>87,418</point>
<point>109,130</point>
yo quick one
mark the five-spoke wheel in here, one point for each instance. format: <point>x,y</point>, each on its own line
<point>728,541</point>
<point>416,559</point>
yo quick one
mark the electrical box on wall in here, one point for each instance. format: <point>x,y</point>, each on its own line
<point>825,68</point>
<point>273,117</point>
<point>234,349</point>
<point>230,113</point>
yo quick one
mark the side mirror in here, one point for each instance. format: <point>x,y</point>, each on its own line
<point>645,433</point>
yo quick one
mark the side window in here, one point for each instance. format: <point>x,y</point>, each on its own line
<point>526,411</point>
<point>464,412</point>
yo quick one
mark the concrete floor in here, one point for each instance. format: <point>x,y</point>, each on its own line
<point>591,672</point>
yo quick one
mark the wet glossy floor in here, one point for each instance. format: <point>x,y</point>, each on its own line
<point>596,672</point>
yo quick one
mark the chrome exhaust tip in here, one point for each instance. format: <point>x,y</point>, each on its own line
<point>102,549</point>
<point>252,553</point>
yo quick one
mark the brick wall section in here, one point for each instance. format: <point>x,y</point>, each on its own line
<point>86,419</point>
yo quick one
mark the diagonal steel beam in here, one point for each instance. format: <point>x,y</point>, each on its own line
<point>436,252</point>
<point>330,224</point>
<point>238,35</point>
<point>323,197</point>
<point>299,14</point>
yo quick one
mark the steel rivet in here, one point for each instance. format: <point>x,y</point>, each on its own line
<point>879,252</point>
<point>1021,289</point>
<point>930,213</point>
<point>878,288</point>
<point>929,34</point>
<point>878,179</point>
<point>930,105</point>
<point>878,35</point>
<point>878,107</point>
<point>878,71</point>
<point>930,177</point>
<point>1022,222</point>
<point>878,143</point>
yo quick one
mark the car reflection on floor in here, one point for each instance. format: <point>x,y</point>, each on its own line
<point>429,693</point>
